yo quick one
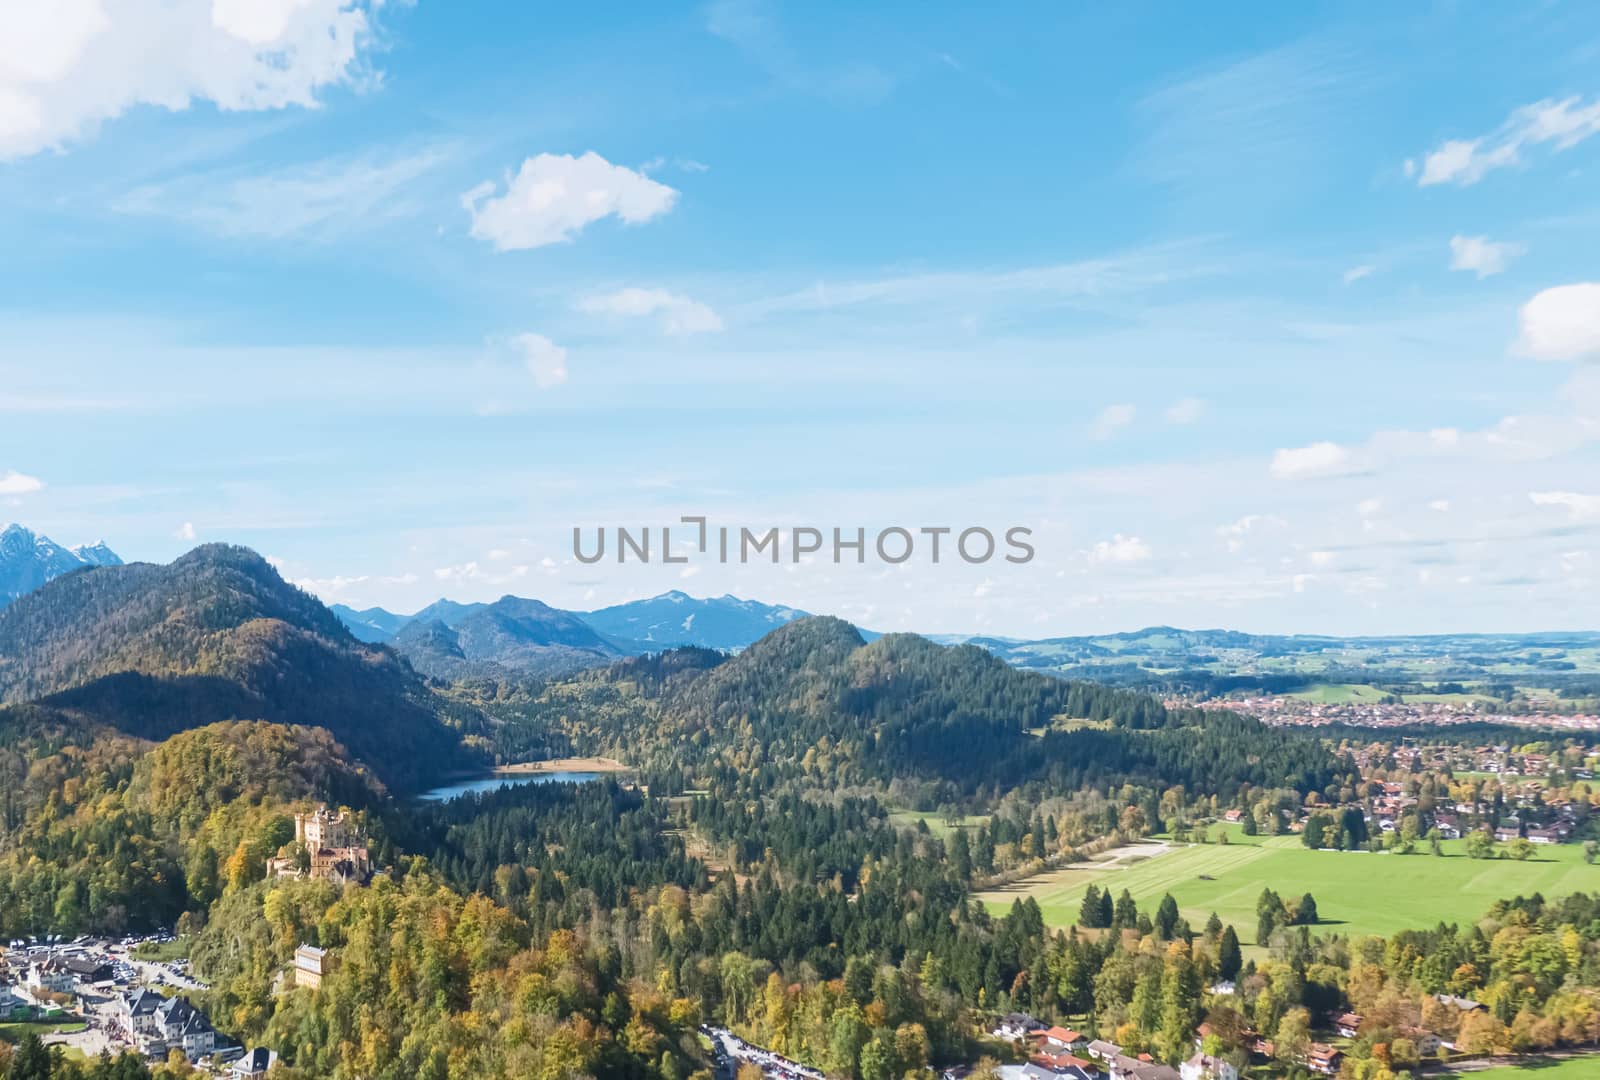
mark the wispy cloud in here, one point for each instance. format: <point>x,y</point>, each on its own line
<point>1261,126</point>
<point>1580,507</point>
<point>1563,124</point>
<point>324,198</point>
<point>1519,437</point>
<point>677,314</point>
<point>752,26</point>
<point>1481,255</point>
<point>1089,281</point>
<point>1185,411</point>
<point>1111,421</point>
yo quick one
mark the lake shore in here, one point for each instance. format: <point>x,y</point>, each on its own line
<point>568,765</point>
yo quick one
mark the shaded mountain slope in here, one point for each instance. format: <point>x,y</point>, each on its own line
<point>218,635</point>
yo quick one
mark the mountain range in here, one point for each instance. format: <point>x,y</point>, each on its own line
<point>509,637</point>
<point>28,560</point>
<point>517,636</point>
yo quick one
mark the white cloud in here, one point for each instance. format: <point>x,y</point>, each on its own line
<point>554,196</point>
<point>1482,255</point>
<point>679,314</point>
<point>1112,419</point>
<point>1580,507</point>
<point>68,65</point>
<point>333,588</point>
<point>1369,507</point>
<point>546,361</point>
<point>475,572</point>
<point>1185,411</point>
<point>1564,123</point>
<point>15,483</point>
<point>185,531</point>
<point>1120,549</point>
<point>1318,459</point>
<point>1562,323</point>
<point>1356,273</point>
<point>1440,506</point>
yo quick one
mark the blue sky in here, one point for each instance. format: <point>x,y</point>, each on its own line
<point>1283,317</point>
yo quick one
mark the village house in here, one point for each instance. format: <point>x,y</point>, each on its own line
<point>254,1065</point>
<point>87,971</point>
<point>1059,1038</point>
<point>157,1025</point>
<point>1032,1071</point>
<point>1324,1059</point>
<point>1206,1067</point>
<point>1104,1051</point>
<point>1347,1024</point>
<point>1426,1042</point>
<point>50,976</point>
<point>1010,1026</point>
<point>1063,1064</point>
<point>1127,1068</point>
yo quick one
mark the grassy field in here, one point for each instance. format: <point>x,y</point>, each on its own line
<point>1341,693</point>
<point>1543,1068</point>
<point>1357,892</point>
<point>936,824</point>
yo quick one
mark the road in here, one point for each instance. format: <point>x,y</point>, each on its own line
<point>735,1049</point>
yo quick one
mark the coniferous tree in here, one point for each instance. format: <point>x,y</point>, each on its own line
<point>1229,956</point>
<point>1089,909</point>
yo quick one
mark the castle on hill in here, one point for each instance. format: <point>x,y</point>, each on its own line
<point>335,849</point>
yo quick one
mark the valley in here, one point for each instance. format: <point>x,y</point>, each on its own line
<point>845,852</point>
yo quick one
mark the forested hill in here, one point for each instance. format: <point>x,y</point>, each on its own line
<point>813,695</point>
<point>218,635</point>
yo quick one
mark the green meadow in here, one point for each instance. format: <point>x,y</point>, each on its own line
<point>1357,892</point>
<point>907,819</point>
<point>1572,1068</point>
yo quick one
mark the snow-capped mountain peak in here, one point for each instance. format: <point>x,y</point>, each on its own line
<point>28,560</point>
